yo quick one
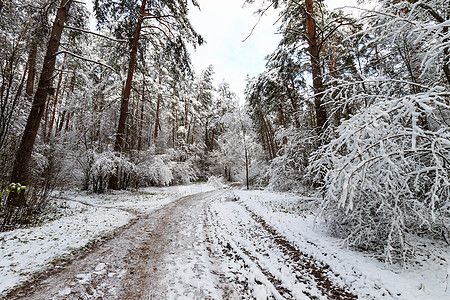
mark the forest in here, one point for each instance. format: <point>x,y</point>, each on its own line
<point>352,109</point>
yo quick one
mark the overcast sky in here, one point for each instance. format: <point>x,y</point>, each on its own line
<point>224,25</point>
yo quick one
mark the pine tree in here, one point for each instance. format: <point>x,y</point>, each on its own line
<point>21,172</point>
<point>168,18</point>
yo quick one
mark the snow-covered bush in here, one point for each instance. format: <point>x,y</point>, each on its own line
<point>159,172</point>
<point>103,167</point>
<point>107,164</point>
<point>104,164</point>
<point>258,173</point>
<point>154,171</point>
<point>216,182</point>
<point>388,173</point>
<point>144,169</point>
<point>287,171</point>
<point>183,172</point>
<point>183,167</point>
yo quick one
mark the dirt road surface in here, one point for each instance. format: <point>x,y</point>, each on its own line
<point>203,246</point>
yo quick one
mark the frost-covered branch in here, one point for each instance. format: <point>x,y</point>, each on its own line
<point>96,34</point>
<point>88,59</point>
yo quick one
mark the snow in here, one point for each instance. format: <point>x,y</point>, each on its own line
<point>87,219</point>
<point>224,244</point>
<point>425,277</point>
<point>26,251</point>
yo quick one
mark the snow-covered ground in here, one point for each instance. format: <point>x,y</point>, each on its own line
<point>225,244</point>
<point>85,219</point>
<point>425,277</point>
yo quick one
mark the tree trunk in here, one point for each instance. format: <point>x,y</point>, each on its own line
<point>20,172</point>
<point>141,123</point>
<point>271,137</point>
<point>61,122</point>
<point>246,165</point>
<point>157,111</point>
<point>31,64</point>
<point>58,88</point>
<point>127,91</point>
<point>44,127</point>
<point>330,60</point>
<point>69,116</point>
<point>6,113</point>
<point>206,137</point>
<point>212,141</point>
<point>193,132</point>
<point>294,105</point>
<point>270,145</point>
<point>186,110</point>
<point>316,72</point>
<point>188,134</point>
<point>118,145</point>
<point>174,121</point>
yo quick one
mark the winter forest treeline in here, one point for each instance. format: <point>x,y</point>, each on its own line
<point>354,109</point>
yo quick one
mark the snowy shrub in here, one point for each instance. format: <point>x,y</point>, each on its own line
<point>184,168</point>
<point>288,169</point>
<point>387,173</point>
<point>183,172</point>
<point>154,171</point>
<point>258,173</point>
<point>216,181</point>
<point>39,163</point>
<point>110,163</point>
<point>104,164</point>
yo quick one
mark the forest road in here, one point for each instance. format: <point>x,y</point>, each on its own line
<point>202,246</point>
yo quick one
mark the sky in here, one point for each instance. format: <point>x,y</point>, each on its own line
<point>224,25</point>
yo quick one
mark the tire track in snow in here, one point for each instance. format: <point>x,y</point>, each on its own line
<point>284,270</point>
<point>305,263</point>
<point>228,248</point>
<point>128,265</point>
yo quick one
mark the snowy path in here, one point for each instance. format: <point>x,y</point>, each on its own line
<point>263,262</point>
<point>202,246</point>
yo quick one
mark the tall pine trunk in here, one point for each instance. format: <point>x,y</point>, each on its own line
<point>158,101</point>
<point>314,52</point>
<point>174,124</point>
<point>31,66</point>
<point>118,145</point>
<point>21,172</point>
<point>141,119</point>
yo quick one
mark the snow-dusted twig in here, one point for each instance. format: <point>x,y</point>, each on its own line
<point>88,59</point>
<point>96,34</point>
